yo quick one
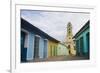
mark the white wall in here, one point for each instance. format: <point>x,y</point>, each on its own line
<point>62,50</point>
<point>5,37</point>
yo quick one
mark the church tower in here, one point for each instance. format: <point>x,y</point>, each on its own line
<point>69,40</point>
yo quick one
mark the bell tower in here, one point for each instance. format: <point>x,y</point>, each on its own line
<point>69,40</point>
<point>69,30</point>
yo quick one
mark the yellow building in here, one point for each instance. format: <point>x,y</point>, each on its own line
<point>52,48</point>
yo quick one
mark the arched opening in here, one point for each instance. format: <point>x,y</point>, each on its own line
<point>69,49</point>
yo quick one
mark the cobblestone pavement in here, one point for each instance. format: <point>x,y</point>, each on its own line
<point>61,58</point>
<point>66,58</point>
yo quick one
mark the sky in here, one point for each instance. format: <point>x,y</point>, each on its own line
<point>55,23</point>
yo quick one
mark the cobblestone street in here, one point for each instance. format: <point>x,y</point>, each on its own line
<point>61,58</point>
<point>66,58</point>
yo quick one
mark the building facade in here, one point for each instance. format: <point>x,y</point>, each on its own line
<point>62,50</point>
<point>82,39</point>
<point>52,48</point>
<point>55,48</point>
<point>34,42</point>
<point>38,45</point>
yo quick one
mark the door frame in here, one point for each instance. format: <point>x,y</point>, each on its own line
<point>26,42</point>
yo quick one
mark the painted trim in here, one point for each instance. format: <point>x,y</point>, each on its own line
<point>24,30</point>
<point>26,45</point>
<point>37,36</point>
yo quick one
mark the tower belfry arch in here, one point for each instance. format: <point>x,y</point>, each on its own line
<point>69,42</point>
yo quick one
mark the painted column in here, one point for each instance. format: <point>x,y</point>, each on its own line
<point>41,46</point>
<point>30,49</point>
<point>85,43</point>
<point>45,48</point>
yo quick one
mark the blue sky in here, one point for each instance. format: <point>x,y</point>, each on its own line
<point>55,23</point>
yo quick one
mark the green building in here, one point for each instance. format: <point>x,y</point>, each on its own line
<point>82,40</point>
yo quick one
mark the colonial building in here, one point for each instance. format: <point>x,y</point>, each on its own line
<point>69,40</point>
<point>38,45</point>
<point>62,50</point>
<point>52,48</point>
<point>34,43</point>
<point>55,48</point>
<point>82,38</point>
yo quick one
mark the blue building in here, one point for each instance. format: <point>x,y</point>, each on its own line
<point>34,42</point>
<point>82,40</point>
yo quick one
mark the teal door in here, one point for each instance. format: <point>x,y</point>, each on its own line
<point>23,49</point>
<point>88,43</point>
<point>81,46</point>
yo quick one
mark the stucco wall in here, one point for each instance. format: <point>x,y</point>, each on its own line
<point>51,46</point>
<point>62,50</point>
<point>83,34</point>
<point>30,46</point>
<point>30,49</point>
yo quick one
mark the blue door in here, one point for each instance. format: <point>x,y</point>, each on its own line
<point>23,49</point>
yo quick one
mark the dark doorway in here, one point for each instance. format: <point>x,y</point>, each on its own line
<point>77,47</point>
<point>81,46</point>
<point>23,49</point>
<point>88,43</point>
<point>45,49</point>
<point>69,49</point>
<point>36,47</point>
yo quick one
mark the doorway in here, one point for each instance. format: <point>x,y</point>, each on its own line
<point>23,49</point>
<point>36,47</point>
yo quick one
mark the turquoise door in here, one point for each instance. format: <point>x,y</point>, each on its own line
<point>88,43</point>
<point>23,49</point>
<point>81,46</point>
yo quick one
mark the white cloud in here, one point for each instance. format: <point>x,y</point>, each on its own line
<point>55,23</point>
